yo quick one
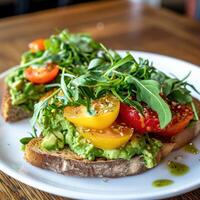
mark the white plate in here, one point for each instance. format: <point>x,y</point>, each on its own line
<point>135,187</point>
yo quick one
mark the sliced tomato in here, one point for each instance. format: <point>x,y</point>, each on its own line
<point>42,75</point>
<point>109,138</point>
<point>106,108</point>
<point>37,45</point>
<point>182,115</point>
<point>149,122</point>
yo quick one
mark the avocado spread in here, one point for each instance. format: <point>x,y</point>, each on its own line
<point>59,134</point>
<point>23,92</point>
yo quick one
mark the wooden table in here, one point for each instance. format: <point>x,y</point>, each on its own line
<point>117,24</point>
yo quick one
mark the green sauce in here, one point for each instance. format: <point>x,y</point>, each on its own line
<point>162,183</point>
<point>190,148</point>
<point>177,169</point>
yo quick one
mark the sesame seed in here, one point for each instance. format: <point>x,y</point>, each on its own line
<point>121,133</point>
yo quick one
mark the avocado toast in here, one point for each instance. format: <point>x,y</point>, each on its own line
<point>117,117</point>
<point>40,69</point>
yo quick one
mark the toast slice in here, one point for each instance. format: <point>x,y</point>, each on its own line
<point>12,113</point>
<point>68,163</point>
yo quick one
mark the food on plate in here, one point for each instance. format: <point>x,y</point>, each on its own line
<point>115,116</point>
<point>40,70</point>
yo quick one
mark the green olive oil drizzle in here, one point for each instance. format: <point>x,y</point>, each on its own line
<point>190,148</point>
<point>162,183</point>
<point>177,169</point>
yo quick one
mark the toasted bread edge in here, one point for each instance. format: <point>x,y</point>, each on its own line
<point>10,112</point>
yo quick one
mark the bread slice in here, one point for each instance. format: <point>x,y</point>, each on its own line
<point>68,163</point>
<point>12,113</point>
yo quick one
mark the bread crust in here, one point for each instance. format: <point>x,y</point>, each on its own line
<point>10,112</point>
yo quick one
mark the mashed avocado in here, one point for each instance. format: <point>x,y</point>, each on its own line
<point>23,92</point>
<point>58,133</point>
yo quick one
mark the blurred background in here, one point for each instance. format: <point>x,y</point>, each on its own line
<point>190,8</point>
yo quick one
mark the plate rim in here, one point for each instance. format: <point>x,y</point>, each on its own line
<point>87,195</point>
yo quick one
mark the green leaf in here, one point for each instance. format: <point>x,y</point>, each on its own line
<point>158,76</point>
<point>63,85</point>
<point>148,91</point>
<point>196,116</point>
<point>26,140</point>
<point>126,59</point>
<point>95,63</point>
<point>192,86</point>
<point>168,86</point>
<point>181,96</point>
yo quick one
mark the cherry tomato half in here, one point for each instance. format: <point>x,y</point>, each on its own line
<point>108,138</point>
<point>42,75</point>
<point>107,110</point>
<point>37,45</point>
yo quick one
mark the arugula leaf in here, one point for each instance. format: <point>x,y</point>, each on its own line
<point>181,96</point>
<point>167,86</point>
<point>196,116</point>
<point>148,91</point>
<point>96,62</point>
<point>64,86</point>
<point>126,59</point>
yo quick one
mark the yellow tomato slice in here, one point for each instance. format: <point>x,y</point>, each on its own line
<point>109,138</point>
<point>106,108</point>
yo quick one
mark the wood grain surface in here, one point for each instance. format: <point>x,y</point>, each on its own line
<point>119,24</point>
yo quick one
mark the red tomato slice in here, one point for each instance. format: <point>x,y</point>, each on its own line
<point>141,123</point>
<point>42,75</point>
<point>37,45</point>
<point>182,115</point>
<point>149,122</point>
